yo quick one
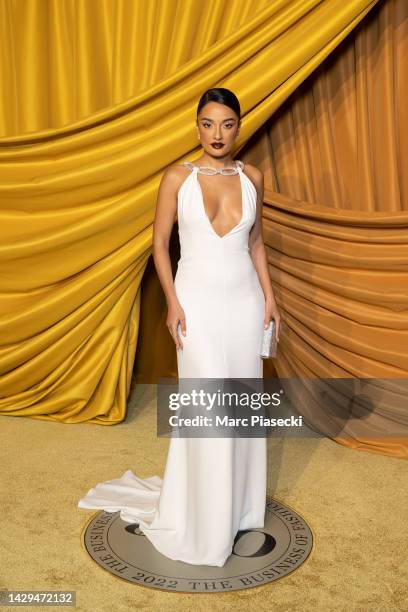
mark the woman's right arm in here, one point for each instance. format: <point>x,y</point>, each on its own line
<point>165,215</point>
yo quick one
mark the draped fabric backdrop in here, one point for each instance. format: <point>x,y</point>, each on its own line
<point>99,99</point>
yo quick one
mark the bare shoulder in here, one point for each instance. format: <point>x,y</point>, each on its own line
<point>173,177</point>
<point>255,175</point>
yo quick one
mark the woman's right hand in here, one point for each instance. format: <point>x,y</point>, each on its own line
<point>175,316</point>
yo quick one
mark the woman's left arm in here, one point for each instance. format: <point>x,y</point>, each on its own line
<point>258,254</point>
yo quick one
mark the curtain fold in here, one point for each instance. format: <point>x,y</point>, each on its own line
<point>336,228</point>
<point>80,164</point>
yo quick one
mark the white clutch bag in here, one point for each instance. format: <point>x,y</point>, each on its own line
<point>268,344</point>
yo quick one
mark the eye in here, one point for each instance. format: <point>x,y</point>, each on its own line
<point>206,124</point>
<point>229,125</point>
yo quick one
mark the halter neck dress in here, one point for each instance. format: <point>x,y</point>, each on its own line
<point>212,487</point>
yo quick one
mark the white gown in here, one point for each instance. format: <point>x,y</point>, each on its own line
<point>212,487</point>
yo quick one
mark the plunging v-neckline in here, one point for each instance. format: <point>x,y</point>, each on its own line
<point>205,212</point>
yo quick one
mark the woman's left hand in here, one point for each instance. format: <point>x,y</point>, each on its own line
<point>272,312</point>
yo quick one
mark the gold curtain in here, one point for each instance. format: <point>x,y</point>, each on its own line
<point>81,157</point>
<point>336,228</point>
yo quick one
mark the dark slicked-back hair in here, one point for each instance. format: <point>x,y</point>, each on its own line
<point>222,96</point>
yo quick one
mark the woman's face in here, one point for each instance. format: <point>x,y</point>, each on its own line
<point>217,123</point>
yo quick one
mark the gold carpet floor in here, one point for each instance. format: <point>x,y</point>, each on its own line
<point>355,503</point>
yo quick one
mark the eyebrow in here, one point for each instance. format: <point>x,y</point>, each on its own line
<point>208,119</point>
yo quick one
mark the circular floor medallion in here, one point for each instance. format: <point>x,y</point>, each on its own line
<point>259,556</point>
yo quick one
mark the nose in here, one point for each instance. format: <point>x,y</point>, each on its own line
<point>217,134</point>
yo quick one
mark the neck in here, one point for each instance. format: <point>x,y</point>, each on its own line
<point>225,161</point>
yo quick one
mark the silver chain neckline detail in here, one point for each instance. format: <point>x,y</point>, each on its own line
<point>211,171</point>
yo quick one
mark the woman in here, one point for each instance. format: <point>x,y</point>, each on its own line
<point>218,305</point>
